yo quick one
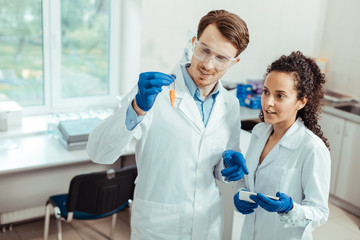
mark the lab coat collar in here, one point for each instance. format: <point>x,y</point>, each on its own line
<point>187,105</point>
<point>291,138</point>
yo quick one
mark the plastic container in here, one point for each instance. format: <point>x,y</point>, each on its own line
<point>243,91</point>
<point>253,102</point>
<point>257,85</point>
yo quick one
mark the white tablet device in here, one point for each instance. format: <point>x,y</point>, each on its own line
<point>245,196</point>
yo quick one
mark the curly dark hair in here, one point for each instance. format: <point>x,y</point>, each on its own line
<point>309,83</point>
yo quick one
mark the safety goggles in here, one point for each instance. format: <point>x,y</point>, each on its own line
<point>203,53</point>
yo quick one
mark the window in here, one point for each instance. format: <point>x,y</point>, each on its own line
<point>21,62</point>
<point>84,47</point>
<point>57,54</point>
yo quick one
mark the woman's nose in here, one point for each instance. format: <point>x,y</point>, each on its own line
<point>267,101</point>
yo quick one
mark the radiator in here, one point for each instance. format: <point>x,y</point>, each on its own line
<point>20,215</point>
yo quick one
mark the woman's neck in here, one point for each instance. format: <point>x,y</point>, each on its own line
<point>279,130</point>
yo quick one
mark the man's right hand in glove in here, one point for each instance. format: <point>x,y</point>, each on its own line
<point>149,86</point>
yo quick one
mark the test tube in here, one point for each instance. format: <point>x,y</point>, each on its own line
<point>172,92</point>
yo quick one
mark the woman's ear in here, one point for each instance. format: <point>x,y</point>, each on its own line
<point>302,103</point>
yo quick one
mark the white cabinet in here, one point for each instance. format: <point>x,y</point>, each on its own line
<point>347,186</point>
<point>333,128</point>
<point>344,138</point>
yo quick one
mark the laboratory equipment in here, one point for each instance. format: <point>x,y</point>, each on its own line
<point>172,91</point>
<point>253,102</point>
<point>243,91</point>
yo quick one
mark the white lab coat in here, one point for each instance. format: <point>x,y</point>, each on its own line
<point>299,166</point>
<point>178,159</point>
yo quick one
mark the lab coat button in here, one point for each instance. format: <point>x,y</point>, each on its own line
<point>132,122</point>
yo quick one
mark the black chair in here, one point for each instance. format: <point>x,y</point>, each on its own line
<point>92,196</point>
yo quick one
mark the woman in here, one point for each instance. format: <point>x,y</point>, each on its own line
<point>288,155</point>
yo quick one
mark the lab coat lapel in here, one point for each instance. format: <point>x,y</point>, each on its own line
<point>262,134</point>
<point>289,140</point>
<point>185,102</point>
<point>272,155</point>
<point>218,112</point>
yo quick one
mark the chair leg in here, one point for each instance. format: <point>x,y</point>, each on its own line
<point>47,221</point>
<point>113,225</point>
<point>58,222</point>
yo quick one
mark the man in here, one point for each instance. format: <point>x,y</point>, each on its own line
<point>178,149</point>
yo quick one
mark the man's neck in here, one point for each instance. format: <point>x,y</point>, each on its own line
<point>207,90</point>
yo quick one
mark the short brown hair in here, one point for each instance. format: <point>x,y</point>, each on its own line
<point>231,26</point>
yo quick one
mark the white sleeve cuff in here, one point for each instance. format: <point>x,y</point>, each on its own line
<point>294,218</point>
<point>132,119</point>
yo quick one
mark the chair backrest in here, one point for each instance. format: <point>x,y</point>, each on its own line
<point>101,192</point>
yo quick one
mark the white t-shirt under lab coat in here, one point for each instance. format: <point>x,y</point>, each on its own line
<point>299,166</point>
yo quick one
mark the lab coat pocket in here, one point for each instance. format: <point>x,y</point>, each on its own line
<point>291,182</point>
<point>151,220</point>
<point>266,183</point>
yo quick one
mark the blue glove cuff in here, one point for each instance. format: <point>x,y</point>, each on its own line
<point>138,102</point>
<point>289,207</point>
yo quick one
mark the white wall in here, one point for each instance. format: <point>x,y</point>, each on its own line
<point>130,44</point>
<point>341,46</point>
<point>276,27</point>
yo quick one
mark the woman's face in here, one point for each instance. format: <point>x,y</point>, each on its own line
<point>279,99</point>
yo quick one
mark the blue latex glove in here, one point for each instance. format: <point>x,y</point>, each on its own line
<point>236,165</point>
<point>244,207</point>
<point>150,84</point>
<point>283,205</point>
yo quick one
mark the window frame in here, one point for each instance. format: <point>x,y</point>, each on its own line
<point>51,24</point>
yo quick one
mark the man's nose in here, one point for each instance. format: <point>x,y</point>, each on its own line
<point>209,62</point>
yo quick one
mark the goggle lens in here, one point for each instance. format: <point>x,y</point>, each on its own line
<point>204,53</point>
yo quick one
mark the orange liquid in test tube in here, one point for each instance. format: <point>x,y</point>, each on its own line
<point>172,97</point>
<point>172,91</point>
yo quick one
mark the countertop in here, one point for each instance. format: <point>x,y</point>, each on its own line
<point>329,107</point>
<point>34,151</point>
<point>249,114</point>
<point>28,147</point>
<point>38,151</point>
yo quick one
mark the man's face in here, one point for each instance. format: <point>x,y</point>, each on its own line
<point>204,73</point>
